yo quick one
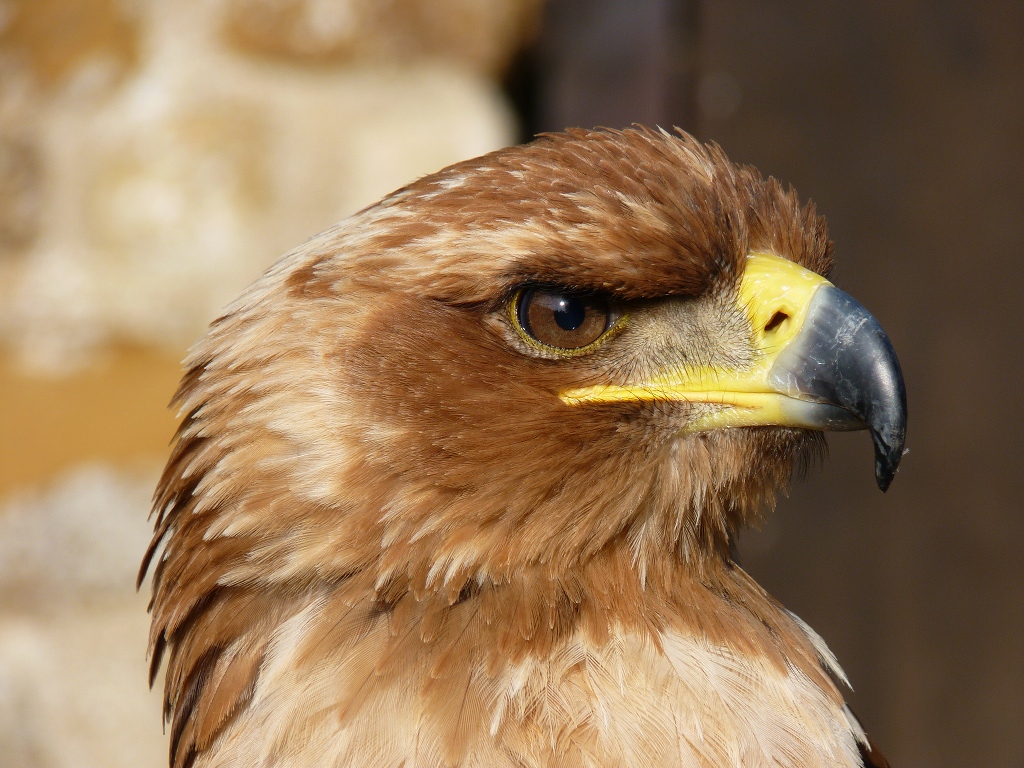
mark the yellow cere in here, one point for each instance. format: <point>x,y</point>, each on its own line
<point>775,293</point>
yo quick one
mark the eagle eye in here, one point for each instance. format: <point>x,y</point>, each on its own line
<point>561,320</point>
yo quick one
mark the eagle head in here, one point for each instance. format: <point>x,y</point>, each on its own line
<point>599,353</point>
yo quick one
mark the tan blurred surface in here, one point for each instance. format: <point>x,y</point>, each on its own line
<point>114,410</point>
<point>479,34</point>
<point>58,36</point>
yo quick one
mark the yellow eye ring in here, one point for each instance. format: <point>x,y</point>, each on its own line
<point>562,322</point>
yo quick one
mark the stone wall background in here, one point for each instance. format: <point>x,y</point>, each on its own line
<point>155,157</point>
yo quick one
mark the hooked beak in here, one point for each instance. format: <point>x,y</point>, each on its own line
<point>822,362</point>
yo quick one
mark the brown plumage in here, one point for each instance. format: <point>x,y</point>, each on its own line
<point>384,539</point>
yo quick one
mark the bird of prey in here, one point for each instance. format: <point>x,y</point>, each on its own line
<point>457,480</point>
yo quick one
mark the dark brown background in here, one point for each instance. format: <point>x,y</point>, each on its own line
<point>905,123</point>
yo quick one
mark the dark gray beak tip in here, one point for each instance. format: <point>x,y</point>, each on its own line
<point>885,410</point>
<point>889,435</point>
<point>885,468</point>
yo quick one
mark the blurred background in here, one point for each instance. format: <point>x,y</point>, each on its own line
<point>157,155</point>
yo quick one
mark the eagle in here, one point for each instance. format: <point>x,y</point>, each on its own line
<point>458,481</point>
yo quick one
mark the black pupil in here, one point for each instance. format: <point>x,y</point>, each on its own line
<point>570,313</point>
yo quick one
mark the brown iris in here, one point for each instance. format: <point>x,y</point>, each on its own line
<point>562,319</point>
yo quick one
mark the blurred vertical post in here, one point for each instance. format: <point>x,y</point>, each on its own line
<point>611,63</point>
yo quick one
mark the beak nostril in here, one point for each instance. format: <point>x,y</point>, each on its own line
<point>776,320</point>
